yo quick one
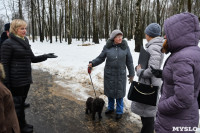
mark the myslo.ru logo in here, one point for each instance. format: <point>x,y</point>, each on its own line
<point>185,129</point>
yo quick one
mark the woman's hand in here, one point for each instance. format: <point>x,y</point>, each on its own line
<point>138,67</point>
<point>90,65</point>
<point>130,79</point>
<point>89,68</point>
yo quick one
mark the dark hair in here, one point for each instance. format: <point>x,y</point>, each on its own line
<point>7,27</point>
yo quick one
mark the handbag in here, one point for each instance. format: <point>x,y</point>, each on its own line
<point>142,93</point>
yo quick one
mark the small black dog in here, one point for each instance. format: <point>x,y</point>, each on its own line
<point>94,105</point>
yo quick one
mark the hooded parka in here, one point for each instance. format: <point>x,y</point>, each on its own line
<point>178,107</point>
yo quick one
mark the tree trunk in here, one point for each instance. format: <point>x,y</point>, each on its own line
<point>60,24</point>
<point>66,19</point>
<point>50,21</point>
<point>117,15</point>
<point>189,5</point>
<point>158,12</point>
<point>89,19</point>
<point>106,22</point>
<point>20,10</point>
<point>32,20</point>
<point>55,21</point>
<point>130,29</point>
<point>138,33</point>
<point>39,23</point>
<point>95,32</point>
<point>70,23</point>
<point>43,22</point>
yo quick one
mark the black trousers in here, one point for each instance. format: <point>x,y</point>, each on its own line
<point>148,124</point>
<point>20,91</point>
<point>19,97</point>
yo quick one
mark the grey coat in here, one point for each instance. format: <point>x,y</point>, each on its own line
<point>156,58</point>
<point>118,57</point>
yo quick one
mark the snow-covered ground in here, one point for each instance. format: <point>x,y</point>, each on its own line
<point>72,64</point>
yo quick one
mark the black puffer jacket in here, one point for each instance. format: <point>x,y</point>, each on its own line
<point>17,56</point>
<point>3,38</point>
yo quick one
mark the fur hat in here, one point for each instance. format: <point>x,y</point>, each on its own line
<point>7,27</point>
<point>153,30</point>
<point>115,33</point>
<point>2,73</point>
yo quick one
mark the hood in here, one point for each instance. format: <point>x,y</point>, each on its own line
<point>182,30</point>
<point>155,41</point>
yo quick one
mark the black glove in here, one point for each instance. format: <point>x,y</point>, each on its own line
<point>156,72</point>
<point>50,55</point>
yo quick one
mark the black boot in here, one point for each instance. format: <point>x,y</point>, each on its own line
<point>19,107</point>
<point>118,116</point>
<point>109,111</point>
<point>26,105</point>
<point>26,129</point>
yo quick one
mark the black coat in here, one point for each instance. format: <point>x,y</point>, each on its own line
<point>3,38</point>
<point>17,56</point>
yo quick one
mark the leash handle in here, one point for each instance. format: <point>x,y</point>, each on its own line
<point>92,84</point>
<point>89,69</point>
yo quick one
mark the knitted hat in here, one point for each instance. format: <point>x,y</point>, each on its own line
<point>153,30</point>
<point>7,27</point>
<point>115,33</point>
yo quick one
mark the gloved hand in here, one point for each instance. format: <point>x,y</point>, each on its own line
<point>156,72</point>
<point>89,68</point>
<point>50,55</point>
<point>130,79</point>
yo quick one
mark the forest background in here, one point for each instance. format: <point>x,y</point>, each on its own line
<point>91,19</point>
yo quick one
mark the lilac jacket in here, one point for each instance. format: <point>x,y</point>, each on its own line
<point>178,105</point>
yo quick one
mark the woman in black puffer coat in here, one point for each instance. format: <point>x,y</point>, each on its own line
<point>17,56</point>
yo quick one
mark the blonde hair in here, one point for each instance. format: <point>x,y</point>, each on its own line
<point>2,72</point>
<point>15,24</point>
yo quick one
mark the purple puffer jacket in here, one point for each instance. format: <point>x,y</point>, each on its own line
<point>178,107</point>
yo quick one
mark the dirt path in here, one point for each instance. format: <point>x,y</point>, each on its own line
<point>55,110</point>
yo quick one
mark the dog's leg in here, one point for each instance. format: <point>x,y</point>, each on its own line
<point>99,113</point>
<point>93,115</point>
<point>86,111</point>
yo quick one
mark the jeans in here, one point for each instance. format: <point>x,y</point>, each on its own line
<point>120,105</point>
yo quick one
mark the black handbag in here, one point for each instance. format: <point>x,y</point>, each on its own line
<point>142,93</point>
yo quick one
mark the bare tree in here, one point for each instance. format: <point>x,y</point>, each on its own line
<point>138,33</point>
<point>95,31</point>
<point>20,9</point>
<point>189,5</point>
<point>158,12</point>
<point>107,21</point>
<point>55,20</point>
<point>33,20</point>
<point>50,21</point>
